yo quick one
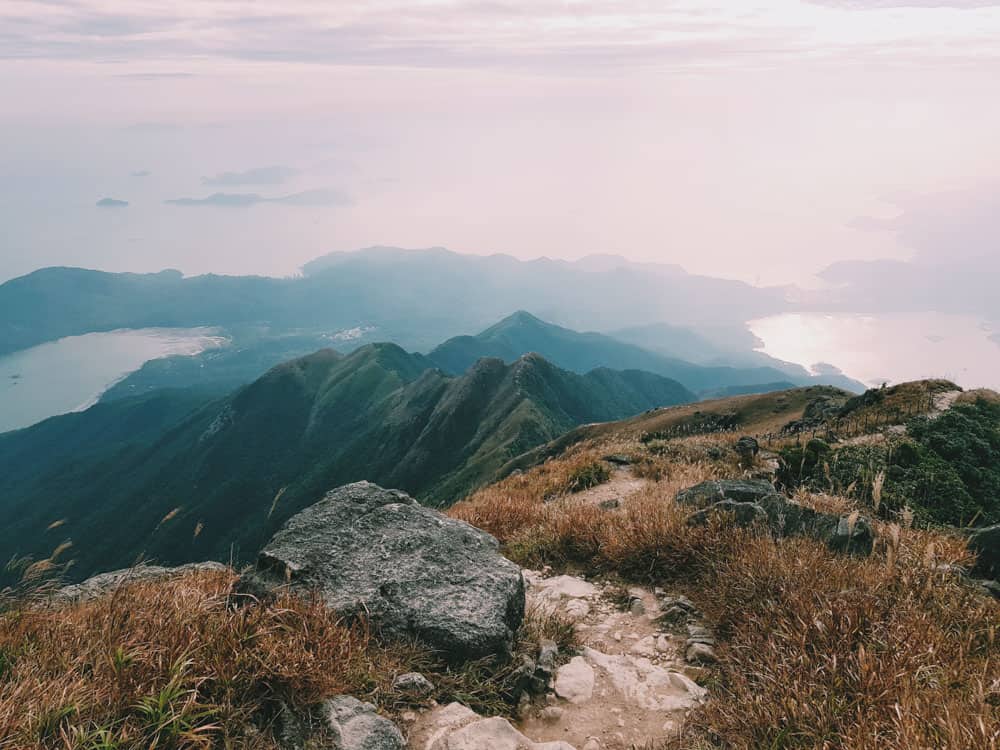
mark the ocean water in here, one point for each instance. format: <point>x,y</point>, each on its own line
<point>888,348</point>
<point>71,374</point>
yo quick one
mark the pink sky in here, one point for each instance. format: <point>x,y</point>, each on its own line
<point>741,140</point>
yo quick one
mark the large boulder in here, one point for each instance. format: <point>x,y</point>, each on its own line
<point>738,490</point>
<point>985,544</point>
<point>409,569</point>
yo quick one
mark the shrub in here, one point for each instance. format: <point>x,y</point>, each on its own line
<point>588,475</point>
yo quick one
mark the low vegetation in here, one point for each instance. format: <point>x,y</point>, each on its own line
<point>946,469</point>
<point>174,665</point>
<point>817,650</point>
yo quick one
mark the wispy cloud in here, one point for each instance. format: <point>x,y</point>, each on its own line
<point>532,33</point>
<point>274,175</point>
<point>244,200</point>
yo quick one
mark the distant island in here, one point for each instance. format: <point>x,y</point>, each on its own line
<point>112,203</point>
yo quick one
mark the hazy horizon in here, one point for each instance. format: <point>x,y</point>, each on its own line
<point>762,144</point>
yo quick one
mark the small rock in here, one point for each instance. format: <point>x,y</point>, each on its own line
<point>645,646</point>
<point>355,725</point>
<point>700,653</point>
<point>575,681</point>
<point>985,544</point>
<point>413,684</point>
<point>663,644</point>
<point>552,713</point>
<point>577,609</point>
<point>637,607</point>
<point>592,744</point>
<point>619,459</point>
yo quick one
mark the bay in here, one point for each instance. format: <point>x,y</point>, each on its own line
<point>71,374</point>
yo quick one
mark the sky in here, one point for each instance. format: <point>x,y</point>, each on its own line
<point>827,143</point>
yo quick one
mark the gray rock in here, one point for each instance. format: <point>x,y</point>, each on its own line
<point>355,725</point>
<point>747,448</point>
<point>104,583</point>
<point>782,516</point>
<point>700,653</point>
<point>985,544</point>
<point>990,587</point>
<point>739,490</point>
<point>618,459</point>
<point>545,665</point>
<point>743,514</point>
<point>412,571</point>
<point>852,536</point>
<point>413,684</point>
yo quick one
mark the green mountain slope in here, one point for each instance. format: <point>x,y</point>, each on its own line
<point>221,480</point>
<point>581,352</point>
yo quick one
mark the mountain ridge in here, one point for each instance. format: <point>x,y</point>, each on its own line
<point>218,481</point>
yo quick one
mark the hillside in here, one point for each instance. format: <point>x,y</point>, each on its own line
<point>218,482</point>
<point>654,573</point>
<point>522,332</point>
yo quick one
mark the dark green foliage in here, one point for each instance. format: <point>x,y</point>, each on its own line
<point>589,475</point>
<point>947,472</point>
<point>803,464</point>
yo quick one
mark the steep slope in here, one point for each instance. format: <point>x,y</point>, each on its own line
<point>581,352</point>
<point>218,483</point>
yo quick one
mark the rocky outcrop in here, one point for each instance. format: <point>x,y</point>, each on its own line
<point>756,502</point>
<point>985,544</point>
<point>105,583</point>
<point>739,490</point>
<point>409,569</point>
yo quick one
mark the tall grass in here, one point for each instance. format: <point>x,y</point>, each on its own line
<point>816,650</point>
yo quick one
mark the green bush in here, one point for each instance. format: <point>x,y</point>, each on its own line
<point>589,475</point>
<point>947,472</point>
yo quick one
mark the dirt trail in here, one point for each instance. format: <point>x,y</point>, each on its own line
<point>629,685</point>
<point>622,485</point>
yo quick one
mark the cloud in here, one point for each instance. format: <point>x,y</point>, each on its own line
<point>531,34</point>
<point>321,197</point>
<point>141,173</point>
<point>111,203</point>
<point>258,176</point>
<point>880,4</point>
<point>955,239</point>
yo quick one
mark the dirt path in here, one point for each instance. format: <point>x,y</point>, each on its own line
<point>630,684</point>
<point>622,485</point>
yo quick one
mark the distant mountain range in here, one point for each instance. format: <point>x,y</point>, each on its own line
<point>177,474</point>
<point>580,352</point>
<point>416,298</point>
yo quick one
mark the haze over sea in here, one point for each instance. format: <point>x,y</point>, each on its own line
<point>72,373</point>
<point>888,347</point>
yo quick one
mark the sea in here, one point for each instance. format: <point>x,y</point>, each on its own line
<point>71,374</point>
<point>890,348</point>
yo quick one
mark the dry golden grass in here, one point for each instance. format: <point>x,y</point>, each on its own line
<point>172,664</point>
<point>817,650</point>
